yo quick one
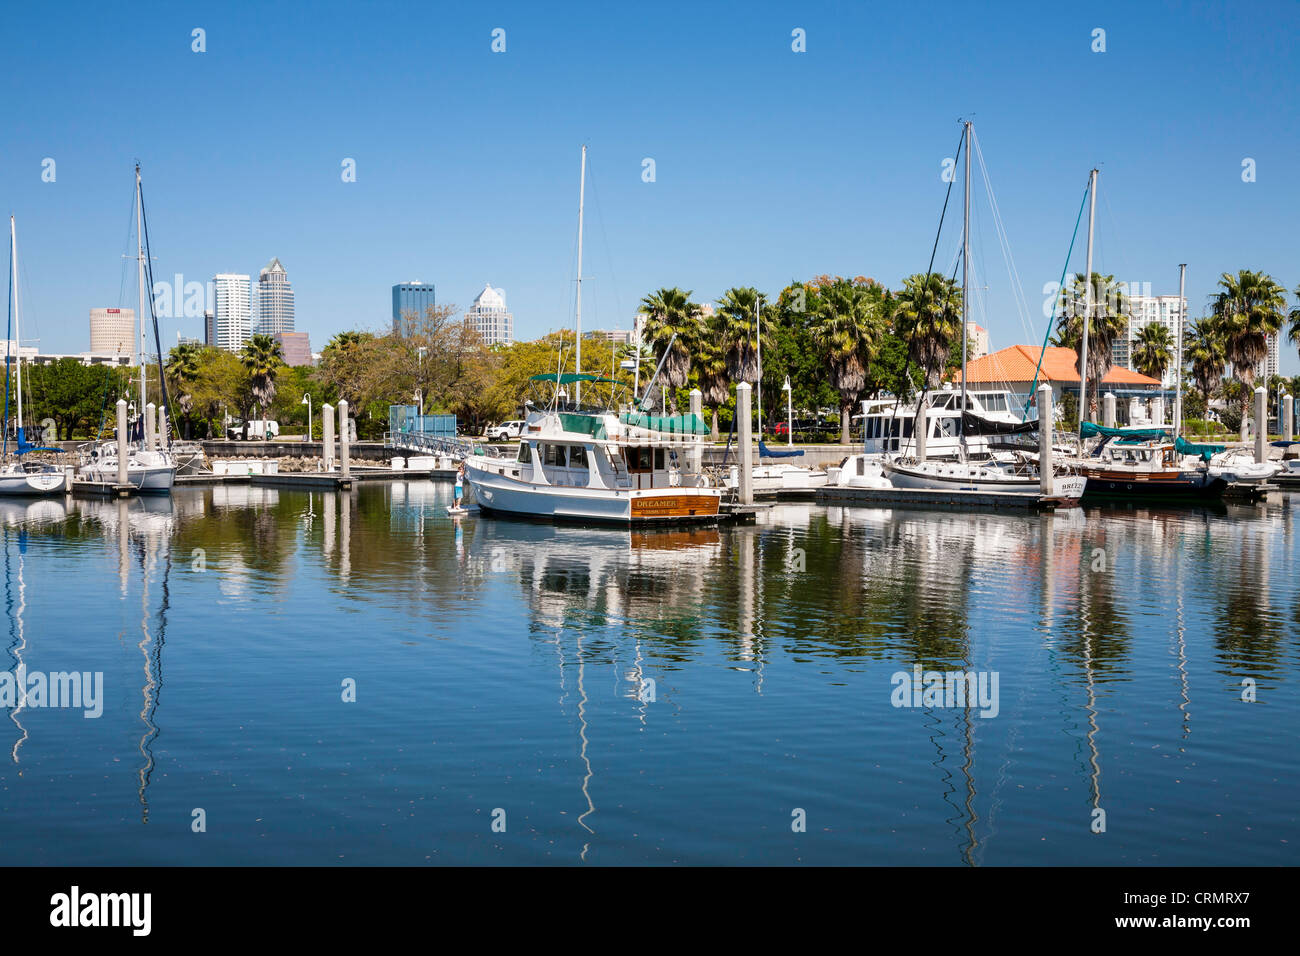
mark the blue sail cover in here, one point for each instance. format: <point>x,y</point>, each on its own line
<point>765,452</point>
<point>24,447</point>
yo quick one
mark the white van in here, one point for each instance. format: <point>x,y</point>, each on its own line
<point>259,429</point>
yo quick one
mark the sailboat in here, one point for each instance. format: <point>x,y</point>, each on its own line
<point>963,475</point>
<point>19,477</point>
<point>149,468</point>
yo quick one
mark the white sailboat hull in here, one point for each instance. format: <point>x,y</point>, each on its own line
<point>958,476</point>
<point>32,484</point>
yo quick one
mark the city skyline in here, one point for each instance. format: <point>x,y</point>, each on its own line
<point>737,192</point>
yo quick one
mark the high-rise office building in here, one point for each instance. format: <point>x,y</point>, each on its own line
<point>209,328</point>
<point>1144,310</point>
<point>1272,360</point>
<point>490,318</point>
<point>112,331</point>
<point>232,314</point>
<point>295,347</point>
<point>411,297</point>
<point>274,300</point>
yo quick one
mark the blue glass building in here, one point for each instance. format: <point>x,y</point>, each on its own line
<point>413,297</point>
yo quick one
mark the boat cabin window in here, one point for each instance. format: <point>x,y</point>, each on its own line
<point>553,455</point>
<point>995,402</point>
<point>639,459</point>
<point>524,457</point>
<point>577,456</point>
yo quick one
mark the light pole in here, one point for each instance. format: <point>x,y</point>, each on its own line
<point>789,416</point>
<point>420,376</point>
<point>306,400</point>
<point>419,400</point>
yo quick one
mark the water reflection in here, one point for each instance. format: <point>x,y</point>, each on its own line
<point>1107,626</point>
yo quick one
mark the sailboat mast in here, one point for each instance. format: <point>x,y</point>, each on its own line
<point>139,255</point>
<point>965,284</point>
<point>1087,308</point>
<point>1178,364</point>
<point>758,386</point>
<point>18,335</point>
<point>582,190</point>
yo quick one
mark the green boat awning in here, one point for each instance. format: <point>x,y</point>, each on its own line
<point>568,378</point>
<point>1091,430</point>
<point>670,424</point>
<point>1204,452</point>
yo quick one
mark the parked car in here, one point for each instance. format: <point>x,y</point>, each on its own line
<point>505,431</point>
<point>259,429</point>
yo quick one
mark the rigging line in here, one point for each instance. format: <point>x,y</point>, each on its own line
<point>604,236</point>
<point>1052,322</point>
<point>9,335</point>
<point>162,378</point>
<point>929,271</point>
<point>1004,242</point>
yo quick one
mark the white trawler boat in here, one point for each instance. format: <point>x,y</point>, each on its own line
<point>588,465</point>
<point>19,477</point>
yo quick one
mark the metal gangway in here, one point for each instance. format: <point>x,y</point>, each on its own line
<point>449,446</point>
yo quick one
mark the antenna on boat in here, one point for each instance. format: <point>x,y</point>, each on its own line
<point>651,384</point>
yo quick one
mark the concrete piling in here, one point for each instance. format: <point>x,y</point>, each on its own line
<point>123,451</point>
<point>1288,418</point>
<point>1261,425</point>
<point>150,426</point>
<point>1046,484</point>
<point>746,447</point>
<point>344,436</point>
<point>1108,409</point>
<point>327,437</point>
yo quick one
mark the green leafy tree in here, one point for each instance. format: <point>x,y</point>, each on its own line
<point>928,317</point>
<point>1248,309</point>
<point>1204,353</point>
<point>669,313</point>
<point>848,323</point>
<point>1154,350</point>
<point>1110,319</point>
<point>263,359</point>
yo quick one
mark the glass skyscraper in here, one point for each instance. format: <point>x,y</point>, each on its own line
<point>410,297</point>
<point>274,300</point>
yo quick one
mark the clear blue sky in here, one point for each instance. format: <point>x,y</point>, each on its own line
<point>771,165</point>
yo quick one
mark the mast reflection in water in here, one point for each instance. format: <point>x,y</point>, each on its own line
<point>675,696</point>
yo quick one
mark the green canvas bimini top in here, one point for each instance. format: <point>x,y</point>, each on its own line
<point>671,424</point>
<point>568,378</point>
<point>592,425</point>
<point>1091,429</point>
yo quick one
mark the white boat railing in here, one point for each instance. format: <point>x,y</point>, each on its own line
<point>453,447</point>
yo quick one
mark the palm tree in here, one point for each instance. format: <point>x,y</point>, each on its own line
<point>1109,321</point>
<point>263,358</point>
<point>1204,352</point>
<point>737,327</point>
<point>1248,310</point>
<point>183,368</point>
<point>847,323</point>
<point>928,316</point>
<point>670,312</point>
<point>1293,333</point>
<point>711,364</point>
<point>1154,350</point>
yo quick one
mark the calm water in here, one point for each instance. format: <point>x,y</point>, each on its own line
<point>668,697</point>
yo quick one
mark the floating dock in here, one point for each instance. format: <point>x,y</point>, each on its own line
<point>944,499</point>
<point>84,488</point>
